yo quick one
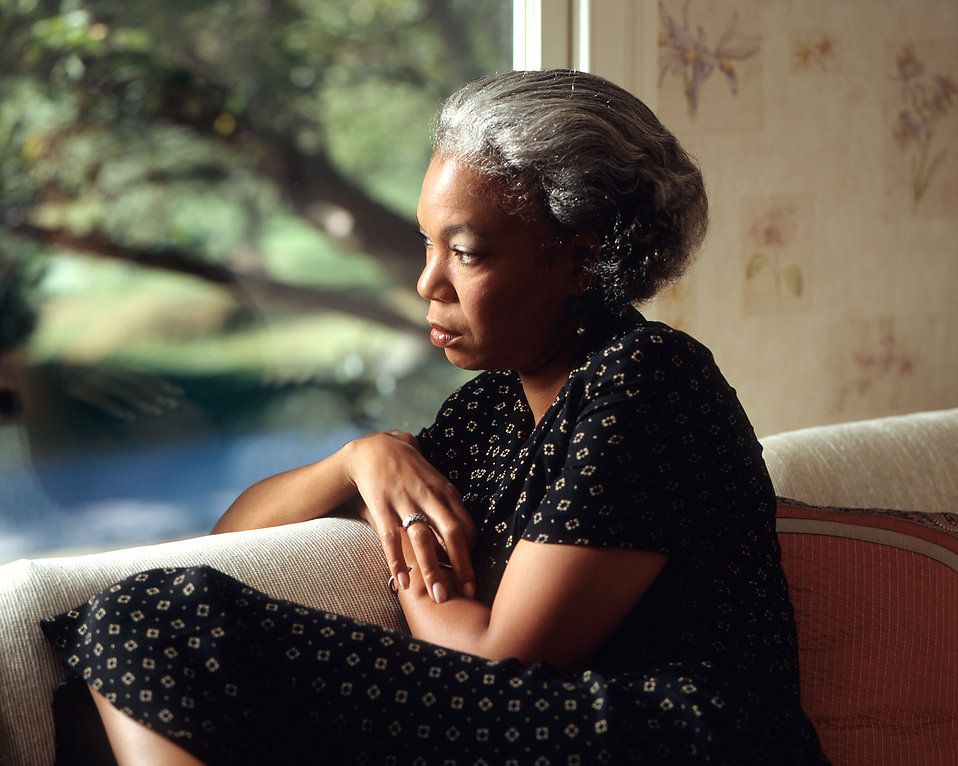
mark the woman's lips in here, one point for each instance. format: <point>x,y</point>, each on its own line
<point>442,337</point>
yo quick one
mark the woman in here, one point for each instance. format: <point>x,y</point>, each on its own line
<point>610,585</point>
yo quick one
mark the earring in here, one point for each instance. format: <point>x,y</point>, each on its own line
<point>575,309</point>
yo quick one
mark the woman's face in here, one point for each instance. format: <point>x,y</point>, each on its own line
<point>498,285</point>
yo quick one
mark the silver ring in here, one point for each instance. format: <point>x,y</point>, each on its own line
<point>391,582</point>
<point>414,518</point>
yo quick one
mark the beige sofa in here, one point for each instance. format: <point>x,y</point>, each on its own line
<point>908,463</point>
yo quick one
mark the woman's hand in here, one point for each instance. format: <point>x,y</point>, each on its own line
<point>395,480</point>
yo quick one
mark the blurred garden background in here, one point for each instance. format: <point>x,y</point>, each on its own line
<point>208,250</point>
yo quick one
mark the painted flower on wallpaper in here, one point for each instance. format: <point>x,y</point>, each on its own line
<point>775,229</point>
<point>773,232</point>
<point>818,51</point>
<point>889,361</point>
<point>926,98</point>
<point>688,55</point>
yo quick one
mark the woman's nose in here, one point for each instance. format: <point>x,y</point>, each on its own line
<point>433,284</point>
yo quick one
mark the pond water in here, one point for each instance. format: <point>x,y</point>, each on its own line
<point>105,500</point>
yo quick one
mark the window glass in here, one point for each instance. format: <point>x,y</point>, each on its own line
<point>207,247</point>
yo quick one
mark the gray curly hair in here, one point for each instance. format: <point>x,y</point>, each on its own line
<point>597,160</point>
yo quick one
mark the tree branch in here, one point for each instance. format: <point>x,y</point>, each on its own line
<point>320,193</point>
<point>309,183</point>
<point>359,303</point>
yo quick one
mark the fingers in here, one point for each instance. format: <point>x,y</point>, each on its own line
<point>395,481</point>
<point>425,547</point>
<point>461,563</point>
<point>390,538</point>
<point>455,528</point>
<point>426,556</point>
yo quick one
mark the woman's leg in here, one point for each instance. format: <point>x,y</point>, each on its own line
<point>134,743</point>
<point>239,677</point>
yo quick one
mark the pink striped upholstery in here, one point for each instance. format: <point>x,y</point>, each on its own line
<point>876,603</point>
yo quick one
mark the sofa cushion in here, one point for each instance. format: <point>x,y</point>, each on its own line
<point>876,605</point>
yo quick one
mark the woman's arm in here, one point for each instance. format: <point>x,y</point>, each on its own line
<point>556,603</point>
<point>385,471</point>
<point>300,494</point>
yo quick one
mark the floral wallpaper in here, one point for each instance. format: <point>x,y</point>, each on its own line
<point>926,100</point>
<point>775,241</point>
<point>710,64</point>
<point>686,52</point>
<point>828,135</point>
<point>880,361</point>
<point>814,51</point>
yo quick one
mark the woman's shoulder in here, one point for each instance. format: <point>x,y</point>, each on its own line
<point>651,337</point>
<point>650,356</point>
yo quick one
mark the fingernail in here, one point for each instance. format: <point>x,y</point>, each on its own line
<point>403,578</point>
<point>469,590</point>
<point>438,592</point>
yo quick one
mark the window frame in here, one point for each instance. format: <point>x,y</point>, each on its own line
<point>566,34</point>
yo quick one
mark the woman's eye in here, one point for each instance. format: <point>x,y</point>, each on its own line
<point>465,258</point>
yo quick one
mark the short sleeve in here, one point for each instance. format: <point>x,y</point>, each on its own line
<point>659,436</point>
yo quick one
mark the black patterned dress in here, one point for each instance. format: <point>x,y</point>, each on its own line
<point>645,447</point>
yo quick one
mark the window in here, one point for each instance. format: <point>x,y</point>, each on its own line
<point>207,250</point>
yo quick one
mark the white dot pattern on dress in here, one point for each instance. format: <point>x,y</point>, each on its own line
<point>645,447</point>
<point>233,692</point>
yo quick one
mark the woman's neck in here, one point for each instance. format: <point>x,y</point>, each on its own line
<point>542,385</point>
<point>541,393</point>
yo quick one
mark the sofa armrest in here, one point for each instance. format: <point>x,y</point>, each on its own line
<point>333,564</point>
<point>906,462</point>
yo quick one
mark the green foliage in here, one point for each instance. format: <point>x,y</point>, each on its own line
<point>213,139</point>
<point>102,83</point>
